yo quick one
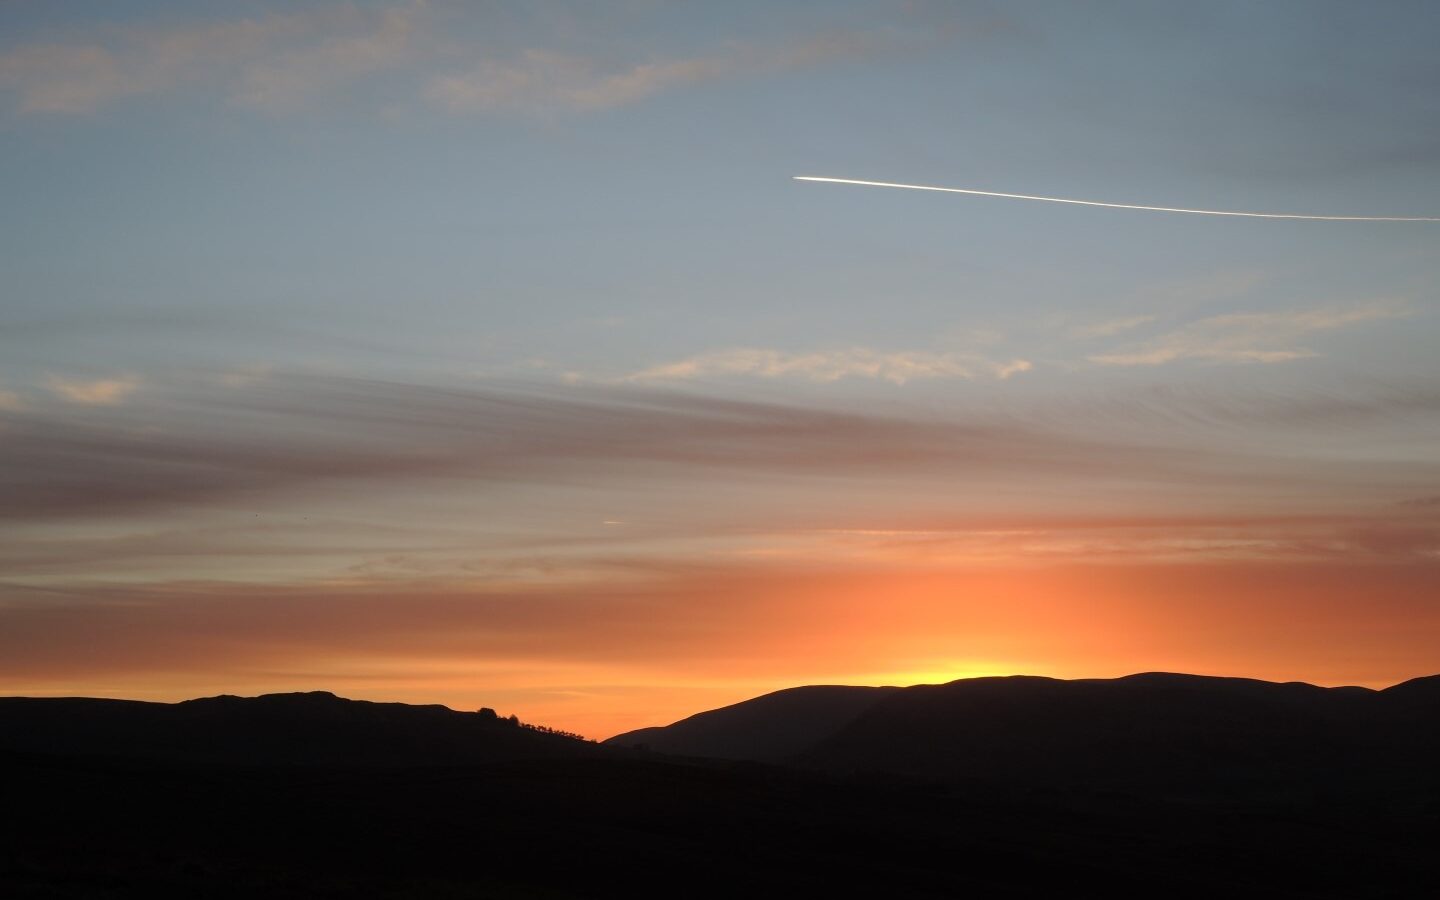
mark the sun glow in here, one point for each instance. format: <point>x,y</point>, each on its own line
<point>940,672</point>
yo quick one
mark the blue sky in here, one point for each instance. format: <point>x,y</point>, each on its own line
<point>355,205</point>
<point>317,259</point>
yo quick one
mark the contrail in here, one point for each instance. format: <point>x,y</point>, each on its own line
<point>1173,209</point>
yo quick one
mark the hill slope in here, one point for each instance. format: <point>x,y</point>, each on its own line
<point>316,728</point>
<point>309,795</point>
<point>1154,732</point>
<point>769,728</point>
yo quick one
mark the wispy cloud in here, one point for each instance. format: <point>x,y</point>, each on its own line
<point>214,444</point>
<point>281,62</point>
<point>99,392</point>
<point>79,77</point>
<point>201,444</point>
<point>1109,328</point>
<point>288,80</point>
<point>126,519</point>
<point>272,61</point>
<point>1268,337</point>
<point>857,362</point>
<point>544,79</point>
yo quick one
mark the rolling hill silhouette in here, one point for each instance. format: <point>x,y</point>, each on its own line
<point>314,728</point>
<point>1161,785</point>
<point>772,728</point>
<point>1153,732</point>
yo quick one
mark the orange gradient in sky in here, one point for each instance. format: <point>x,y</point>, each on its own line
<point>607,657</point>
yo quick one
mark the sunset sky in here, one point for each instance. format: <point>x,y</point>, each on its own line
<point>487,354</point>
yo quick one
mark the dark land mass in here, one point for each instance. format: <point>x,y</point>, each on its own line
<point>1159,733</point>
<point>774,728</point>
<point>966,789</point>
<point>315,728</point>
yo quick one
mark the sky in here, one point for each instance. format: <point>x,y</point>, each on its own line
<point>488,354</point>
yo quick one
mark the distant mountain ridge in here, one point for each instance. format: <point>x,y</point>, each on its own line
<point>314,728</point>
<point>1157,784</point>
<point>1153,733</point>
<point>773,727</point>
<point>1180,734</point>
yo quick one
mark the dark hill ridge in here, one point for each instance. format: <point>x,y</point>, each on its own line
<point>1163,785</point>
<point>1176,734</point>
<point>770,728</point>
<point>315,728</point>
<point>1151,732</point>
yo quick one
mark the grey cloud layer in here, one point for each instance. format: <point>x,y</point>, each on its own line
<point>164,448</point>
<point>170,446</point>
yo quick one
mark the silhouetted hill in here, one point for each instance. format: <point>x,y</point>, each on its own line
<point>309,795</point>
<point>1160,731</point>
<point>769,728</point>
<point>314,728</point>
<point>1418,695</point>
<point>1180,735</point>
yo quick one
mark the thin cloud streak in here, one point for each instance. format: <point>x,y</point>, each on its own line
<point>826,366</point>
<point>290,543</point>
<point>1385,410</point>
<point>1171,209</point>
<point>543,79</point>
<point>1249,337</point>
<point>99,392</point>
<point>1109,328</point>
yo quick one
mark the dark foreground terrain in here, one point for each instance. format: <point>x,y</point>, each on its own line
<point>1157,734</point>
<point>540,815</point>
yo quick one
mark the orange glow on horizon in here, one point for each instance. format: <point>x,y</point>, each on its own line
<point>616,657</point>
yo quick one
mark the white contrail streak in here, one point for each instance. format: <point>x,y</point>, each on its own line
<point>1198,212</point>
